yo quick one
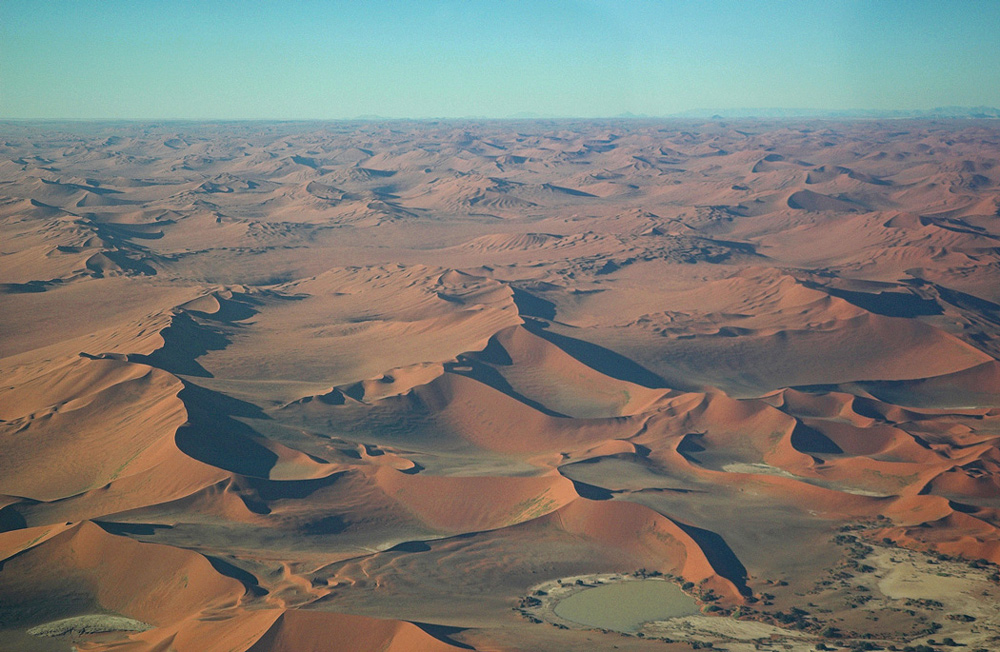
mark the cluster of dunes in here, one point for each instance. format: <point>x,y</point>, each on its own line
<point>305,387</point>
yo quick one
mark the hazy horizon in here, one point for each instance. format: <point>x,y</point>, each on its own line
<point>474,60</point>
<point>698,114</point>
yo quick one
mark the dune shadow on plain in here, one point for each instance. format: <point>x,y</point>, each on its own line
<point>246,578</point>
<point>444,634</point>
<point>719,555</point>
<point>809,440</point>
<point>887,304</point>
<point>492,378</point>
<point>599,358</point>
<point>184,340</point>
<point>213,436</point>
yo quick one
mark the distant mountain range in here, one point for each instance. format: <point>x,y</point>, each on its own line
<point>944,112</point>
<point>939,112</point>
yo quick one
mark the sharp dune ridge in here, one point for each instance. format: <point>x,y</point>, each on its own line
<point>279,387</point>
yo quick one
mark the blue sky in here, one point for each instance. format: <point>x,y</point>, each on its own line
<point>449,58</point>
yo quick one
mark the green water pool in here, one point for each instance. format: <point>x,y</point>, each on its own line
<point>625,606</point>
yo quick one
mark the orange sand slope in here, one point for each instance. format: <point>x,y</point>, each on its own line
<point>360,386</point>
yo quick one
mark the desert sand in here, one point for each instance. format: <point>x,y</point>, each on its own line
<point>302,387</point>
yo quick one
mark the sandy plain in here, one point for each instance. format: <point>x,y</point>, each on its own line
<point>368,386</point>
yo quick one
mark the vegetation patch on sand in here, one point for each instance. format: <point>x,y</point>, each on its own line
<point>913,597</point>
<point>89,624</point>
<point>878,596</point>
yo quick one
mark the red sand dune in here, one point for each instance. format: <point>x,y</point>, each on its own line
<point>363,386</point>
